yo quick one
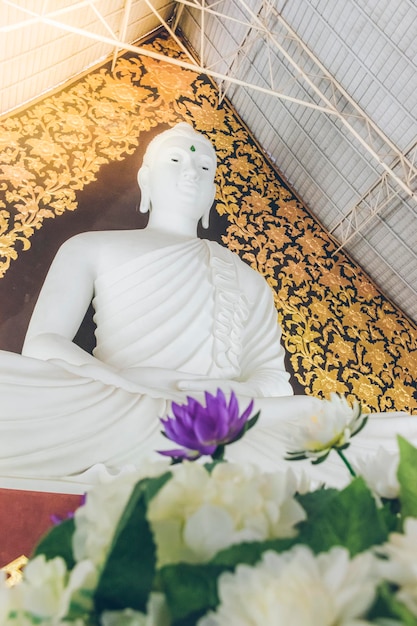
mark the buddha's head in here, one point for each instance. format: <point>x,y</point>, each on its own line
<point>177,174</point>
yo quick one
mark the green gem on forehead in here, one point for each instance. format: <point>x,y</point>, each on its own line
<point>192,148</point>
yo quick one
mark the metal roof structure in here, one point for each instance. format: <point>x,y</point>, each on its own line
<point>328,89</point>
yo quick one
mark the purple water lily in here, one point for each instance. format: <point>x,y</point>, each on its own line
<point>205,430</point>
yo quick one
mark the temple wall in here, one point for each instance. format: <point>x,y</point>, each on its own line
<point>68,164</point>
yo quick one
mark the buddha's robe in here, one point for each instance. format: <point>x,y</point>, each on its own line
<point>192,308</point>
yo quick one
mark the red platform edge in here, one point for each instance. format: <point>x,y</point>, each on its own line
<point>25,517</point>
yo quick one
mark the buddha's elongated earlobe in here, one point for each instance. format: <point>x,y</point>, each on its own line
<point>145,200</point>
<point>205,219</point>
<point>206,215</point>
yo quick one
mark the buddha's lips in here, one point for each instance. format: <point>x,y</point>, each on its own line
<point>188,185</point>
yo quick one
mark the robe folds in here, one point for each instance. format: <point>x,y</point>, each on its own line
<point>193,309</point>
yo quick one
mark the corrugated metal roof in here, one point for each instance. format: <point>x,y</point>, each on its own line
<point>369,48</point>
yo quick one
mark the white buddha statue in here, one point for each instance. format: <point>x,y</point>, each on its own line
<point>176,315</point>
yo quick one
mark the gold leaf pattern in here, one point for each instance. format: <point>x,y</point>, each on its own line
<point>340,332</point>
<point>14,570</point>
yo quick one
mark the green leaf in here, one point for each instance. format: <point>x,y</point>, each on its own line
<point>58,542</point>
<point>132,550</point>
<point>348,518</point>
<point>248,425</point>
<point>151,486</point>
<point>252,421</point>
<point>250,552</point>
<point>387,606</point>
<point>190,590</point>
<point>314,501</point>
<point>407,478</point>
<point>218,454</point>
<point>390,511</point>
<point>211,465</point>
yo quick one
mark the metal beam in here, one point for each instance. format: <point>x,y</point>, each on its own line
<point>376,198</point>
<point>403,171</point>
<point>399,171</point>
<point>395,164</point>
<point>123,28</point>
<point>189,65</point>
<point>408,169</point>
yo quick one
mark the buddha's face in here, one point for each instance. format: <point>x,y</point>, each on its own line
<point>181,177</point>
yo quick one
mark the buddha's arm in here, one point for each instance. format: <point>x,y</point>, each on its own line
<point>60,309</point>
<point>62,303</point>
<point>262,360</point>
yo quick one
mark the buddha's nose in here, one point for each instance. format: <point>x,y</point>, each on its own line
<point>190,172</point>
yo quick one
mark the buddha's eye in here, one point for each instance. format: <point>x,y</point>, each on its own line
<point>205,168</point>
<point>175,159</point>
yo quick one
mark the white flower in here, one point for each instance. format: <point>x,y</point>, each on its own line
<point>330,426</point>
<point>128,617</point>
<point>210,529</point>
<point>41,592</point>
<point>261,502</point>
<point>46,592</point>
<point>300,482</point>
<point>400,566</point>
<point>81,585</point>
<point>7,602</point>
<point>380,473</point>
<point>297,587</point>
<point>174,503</point>
<point>96,521</point>
<point>196,513</point>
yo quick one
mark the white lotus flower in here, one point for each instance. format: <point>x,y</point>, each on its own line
<point>331,426</point>
<point>297,587</point>
<point>400,563</point>
<point>380,473</point>
<point>97,519</point>
<point>196,513</point>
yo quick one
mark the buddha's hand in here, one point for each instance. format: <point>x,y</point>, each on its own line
<point>211,385</point>
<point>96,371</point>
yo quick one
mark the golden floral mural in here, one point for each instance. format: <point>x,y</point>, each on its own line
<point>340,332</point>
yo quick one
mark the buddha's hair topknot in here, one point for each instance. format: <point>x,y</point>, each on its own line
<point>179,130</point>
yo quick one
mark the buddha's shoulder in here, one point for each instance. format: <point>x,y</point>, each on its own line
<point>97,240</point>
<point>99,237</point>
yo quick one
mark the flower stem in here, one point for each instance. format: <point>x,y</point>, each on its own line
<point>346,462</point>
<point>218,454</point>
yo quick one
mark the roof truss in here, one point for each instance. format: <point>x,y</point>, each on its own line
<point>397,170</point>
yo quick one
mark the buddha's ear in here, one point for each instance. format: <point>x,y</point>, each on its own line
<point>206,216</point>
<point>143,182</point>
<point>205,219</point>
<point>213,194</point>
<point>143,176</point>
